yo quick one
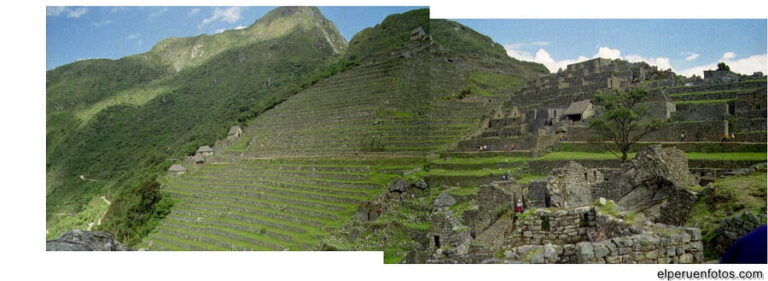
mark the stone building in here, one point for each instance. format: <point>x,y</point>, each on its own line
<point>198,159</point>
<point>720,76</point>
<point>234,132</point>
<point>205,150</point>
<point>177,169</point>
<point>580,110</point>
<point>570,186</point>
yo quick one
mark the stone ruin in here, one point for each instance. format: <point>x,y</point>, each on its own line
<point>656,183</point>
<point>570,186</point>
<point>584,235</point>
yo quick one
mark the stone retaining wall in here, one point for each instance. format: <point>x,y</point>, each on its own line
<point>681,246</point>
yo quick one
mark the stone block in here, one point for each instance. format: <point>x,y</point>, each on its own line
<point>613,259</point>
<point>585,252</point>
<point>600,250</point>
<point>671,251</point>
<point>694,232</point>
<point>652,255</point>
<point>686,258</point>
<point>638,256</point>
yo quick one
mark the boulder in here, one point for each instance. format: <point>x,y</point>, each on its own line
<point>444,200</point>
<point>420,184</point>
<point>398,186</point>
<point>80,240</point>
<point>656,175</point>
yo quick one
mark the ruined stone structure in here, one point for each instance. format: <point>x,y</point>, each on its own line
<point>544,226</point>
<point>655,182</point>
<point>583,236</point>
<point>570,186</point>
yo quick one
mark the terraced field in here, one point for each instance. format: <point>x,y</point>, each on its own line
<point>379,106</point>
<point>260,204</point>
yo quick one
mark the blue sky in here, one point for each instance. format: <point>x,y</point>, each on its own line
<point>74,33</point>
<point>686,46</point>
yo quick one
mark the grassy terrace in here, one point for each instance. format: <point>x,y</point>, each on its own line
<point>704,101</point>
<point>705,93</point>
<point>730,156</point>
<point>271,204</point>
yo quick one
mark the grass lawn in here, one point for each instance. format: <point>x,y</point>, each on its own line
<point>481,160</point>
<point>527,178</point>
<point>714,92</point>
<point>577,155</point>
<point>467,173</point>
<point>732,156</point>
<point>704,101</point>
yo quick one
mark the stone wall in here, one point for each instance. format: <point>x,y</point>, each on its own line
<point>680,246</point>
<point>569,186</point>
<point>537,194</point>
<point>448,237</point>
<point>706,111</point>
<point>609,189</point>
<point>677,206</point>
<point>658,110</point>
<point>730,230</point>
<point>622,242</point>
<point>694,131</point>
<point>748,125</point>
<point>546,166</point>
<point>542,226</point>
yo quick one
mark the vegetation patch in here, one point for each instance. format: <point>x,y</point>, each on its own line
<point>727,197</point>
<point>704,101</point>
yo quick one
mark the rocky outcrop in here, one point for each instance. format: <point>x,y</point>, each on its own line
<point>80,240</point>
<point>655,182</point>
<point>730,230</point>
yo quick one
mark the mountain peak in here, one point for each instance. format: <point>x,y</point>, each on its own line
<point>287,11</point>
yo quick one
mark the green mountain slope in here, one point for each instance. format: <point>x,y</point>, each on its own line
<point>127,142</point>
<point>305,168</point>
<point>390,33</point>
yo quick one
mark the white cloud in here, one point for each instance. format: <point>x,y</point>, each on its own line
<point>744,65</point>
<point>133,36</point>
<point>193,11</point>
<point>69,12</point>
<point>54,11</point>
<point>661,62</point>
<point>76,13</point>
<point>118,9</point>
<point>543,57</point>
<point>220,30</point>
<point>747,65</point>
<point>608,53</point>
<point>229,15</point>
<point>102,22</point>
<point>157,12</point>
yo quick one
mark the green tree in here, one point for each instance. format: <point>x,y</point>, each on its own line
<point>723,67</point>
<point>620,123</point>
